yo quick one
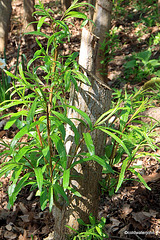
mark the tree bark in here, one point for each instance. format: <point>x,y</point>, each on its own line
<point>65,4</point>
<point>5,14</point>
<point>93,100</point>
<point>28,6</point>
<point>102,20</point>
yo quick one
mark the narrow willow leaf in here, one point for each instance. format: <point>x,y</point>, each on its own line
<point>7,167</point>
<point>118,140</point>
<point>11,75</point>
<point>18,188</point>
<point>140,177</point>
<point>68,121</point>
<point>31,112</point>
<point>61,149</point>
<point>39,177</point>
<point>46,153</point>
<point>51,192</point>
<point>124,117</point>
<point>81,77</point>
<point>21,153</point>
<point>121,176</point>
<point>17,137</point>
<point>59,190</point>
<point>107,115</point>
<point>96,158</point>
<point>76,193</point>
<point>14,118</point>
<point>44,199</point>
<point>67,80</point>
<point>37,33</point>
<point>84,115</point>
<point>89,143</point>
<point>40,23</point>
<point>75,14</point>
<point>66,177</point>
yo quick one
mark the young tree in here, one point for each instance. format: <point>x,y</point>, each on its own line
<point>93,100</point>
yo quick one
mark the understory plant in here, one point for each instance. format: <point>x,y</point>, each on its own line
<point>93,230</point>
<point>40,92</point>
<point>141,65</point>
<point>4,82</point>
<point>131,137</point>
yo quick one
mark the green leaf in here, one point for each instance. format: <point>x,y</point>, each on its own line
<point>89,143</point>
<point>51,192</point>
<point>107,115</point>
<point>46,153</point>
<point>44,199</point>
<point>60,191</point>
<point>121,176</point>
<point>81,77</point>
<point>39,177</point>
<point>84,115</point>
<point>75,14</point>
<point>68,121</point>
<point>37,33</point>
<point>18,188</point>
<point>61,149</point>
<point>118,140</point>
<point>11,75</point>
<point>7,167</point>
<point>21,153</point>
<point>66,177</point>
<point>14,118</point>
<point>31,112</point>
<point>22,132</point>
<point>40,23</point>
<point>67,80</point>
<point>140,177</point>
<point>76,193</point>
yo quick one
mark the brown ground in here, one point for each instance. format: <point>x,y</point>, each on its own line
<point>133,208</point>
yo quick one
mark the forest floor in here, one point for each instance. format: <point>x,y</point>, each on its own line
<point>133,212</point>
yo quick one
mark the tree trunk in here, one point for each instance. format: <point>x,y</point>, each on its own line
<point>65,4</point>
<point>93,100</point>
<point>102,19</point>
<point>5,14</point>
<point>28,6</point>
<point>159,8</point>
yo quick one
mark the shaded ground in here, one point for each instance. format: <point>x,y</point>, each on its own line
<point>134,208</point>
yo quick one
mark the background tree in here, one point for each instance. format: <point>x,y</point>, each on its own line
<point>28,18</point>
<point>5,14</point>
<point>93,100</point>
<point>65,4</point>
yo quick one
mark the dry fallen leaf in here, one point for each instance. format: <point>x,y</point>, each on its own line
<point>141,217</point>
<point>10,235</point>
<point>24,236</point>
<point>126,210</point>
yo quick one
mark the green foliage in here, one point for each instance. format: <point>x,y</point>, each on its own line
<point>141,65</point>
<point>41,160</point>
<point>4,83</point>
<point>130,136</point>
<point>108,48</point>
<point>93,230</point>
